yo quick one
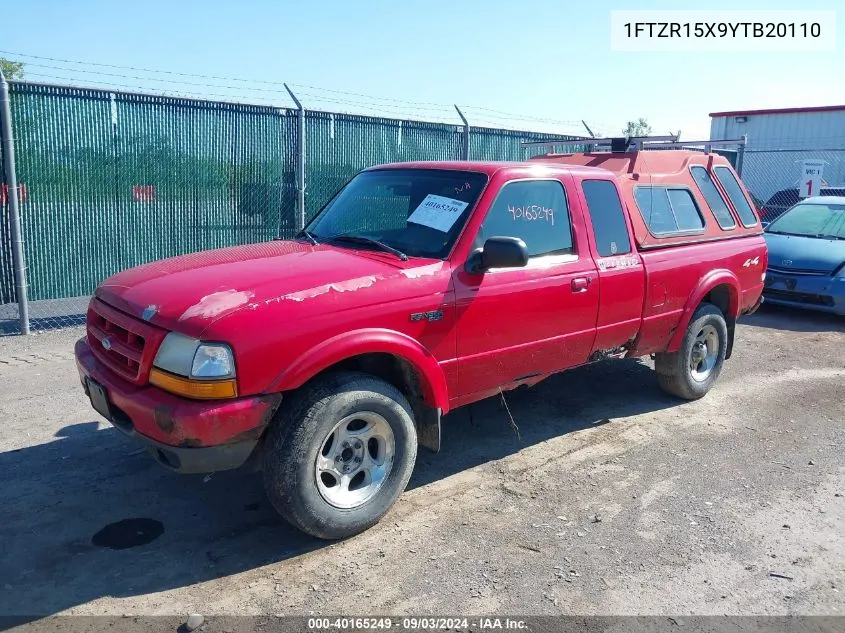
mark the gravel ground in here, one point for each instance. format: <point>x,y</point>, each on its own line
<point>608,498</point>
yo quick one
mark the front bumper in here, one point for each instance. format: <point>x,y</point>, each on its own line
<point>188,436</point>
<point>822,293</point>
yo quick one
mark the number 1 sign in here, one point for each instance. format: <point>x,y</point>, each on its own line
<point>811,178</point>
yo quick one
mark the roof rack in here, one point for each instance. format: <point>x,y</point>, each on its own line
<point>635,143</point>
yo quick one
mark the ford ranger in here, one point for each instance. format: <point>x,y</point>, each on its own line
<point>327,359</point>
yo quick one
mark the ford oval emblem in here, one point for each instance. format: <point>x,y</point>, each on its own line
<point>106,343</point>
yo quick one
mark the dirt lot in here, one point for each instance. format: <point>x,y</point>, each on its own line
<point>612,499</point>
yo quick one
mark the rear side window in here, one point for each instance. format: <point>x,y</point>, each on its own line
<point>714,198</point>
<point>607,217</point>
<point>668,211</point>
<point>686,211</point>
<point>734,191</point>
<point>533,210</point>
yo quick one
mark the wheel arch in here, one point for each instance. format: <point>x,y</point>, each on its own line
<point>720,288</point>
<point>392,356</point>
<point>349,345</point>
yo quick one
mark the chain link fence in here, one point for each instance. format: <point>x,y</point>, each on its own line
<point>340,145</point>
<point>109,180</point>
<point>8,299</point>
<point>773,176</point>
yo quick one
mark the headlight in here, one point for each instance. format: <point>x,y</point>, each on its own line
<point>176,354</point>
<point>189,367</point>
<point>213,360</point>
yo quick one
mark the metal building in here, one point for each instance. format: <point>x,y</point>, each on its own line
<point>780,140</point>
<point>800,128</point>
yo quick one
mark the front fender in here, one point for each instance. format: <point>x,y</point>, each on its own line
<point>368,341</point>
<point>706,285</point>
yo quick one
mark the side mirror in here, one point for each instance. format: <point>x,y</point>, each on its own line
<point>498,252</point>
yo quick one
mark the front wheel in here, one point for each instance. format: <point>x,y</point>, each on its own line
<point>690,372</point>
<point>340,454</point>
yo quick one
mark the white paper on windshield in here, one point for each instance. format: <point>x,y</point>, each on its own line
<point>438,212</point>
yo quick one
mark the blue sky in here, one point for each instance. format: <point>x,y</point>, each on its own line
<point>547,64</point>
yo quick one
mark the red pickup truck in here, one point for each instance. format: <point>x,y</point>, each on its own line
<point>420,287</point>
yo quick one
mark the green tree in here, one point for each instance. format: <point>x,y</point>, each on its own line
<point>637,128</point>
<point>11,70</point>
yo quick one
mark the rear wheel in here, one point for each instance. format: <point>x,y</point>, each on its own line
<point>340,454</point>
<point>690,372</point>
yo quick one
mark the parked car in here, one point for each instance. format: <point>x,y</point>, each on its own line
<point>807,256</point>
<point>758,205</point>
<point>420,287</point>
<point>788,198</point>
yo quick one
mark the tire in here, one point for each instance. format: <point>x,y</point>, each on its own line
<point>304,474</point>
<point>685,373</point>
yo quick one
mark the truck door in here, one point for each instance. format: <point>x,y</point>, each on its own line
<point>522,322</point>
<point>620,268</point>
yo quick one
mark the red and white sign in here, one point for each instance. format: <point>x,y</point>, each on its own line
<point>811,178</point>
<point>4,194</point>
<point>143,193</point>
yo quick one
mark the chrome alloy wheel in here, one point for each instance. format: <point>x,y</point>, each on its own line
<point>355,459</point>
<point>704,352</point>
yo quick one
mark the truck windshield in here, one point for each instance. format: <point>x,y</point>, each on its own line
<point>418,212</point>
<point>812,220</point>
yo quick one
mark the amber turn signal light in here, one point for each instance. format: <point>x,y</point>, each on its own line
<point>196,389</point>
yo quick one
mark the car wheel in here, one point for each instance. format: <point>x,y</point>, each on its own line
<point>690,372</point>
<point>339,454</point>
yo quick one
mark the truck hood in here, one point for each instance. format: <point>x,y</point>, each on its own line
<point>190,292</point>
<point>807,253</point>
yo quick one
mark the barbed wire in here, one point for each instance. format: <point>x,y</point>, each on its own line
<point>173,93</point>
<point>236,98</point>
<point>138,69</point>
<point>480,114</point>
<point>157,79</point>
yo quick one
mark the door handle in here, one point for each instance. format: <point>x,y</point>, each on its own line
<point>581,284</point>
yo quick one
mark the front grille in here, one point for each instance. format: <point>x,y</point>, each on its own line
<point>799,297</point>
<point>807,272</point>
<point>123,343</point>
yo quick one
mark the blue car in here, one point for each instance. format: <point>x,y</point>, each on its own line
<point>807,256</point>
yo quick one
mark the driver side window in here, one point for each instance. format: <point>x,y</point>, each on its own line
<point>533,210</point>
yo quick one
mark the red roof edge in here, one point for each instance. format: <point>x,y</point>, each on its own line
<point>834,108</point>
